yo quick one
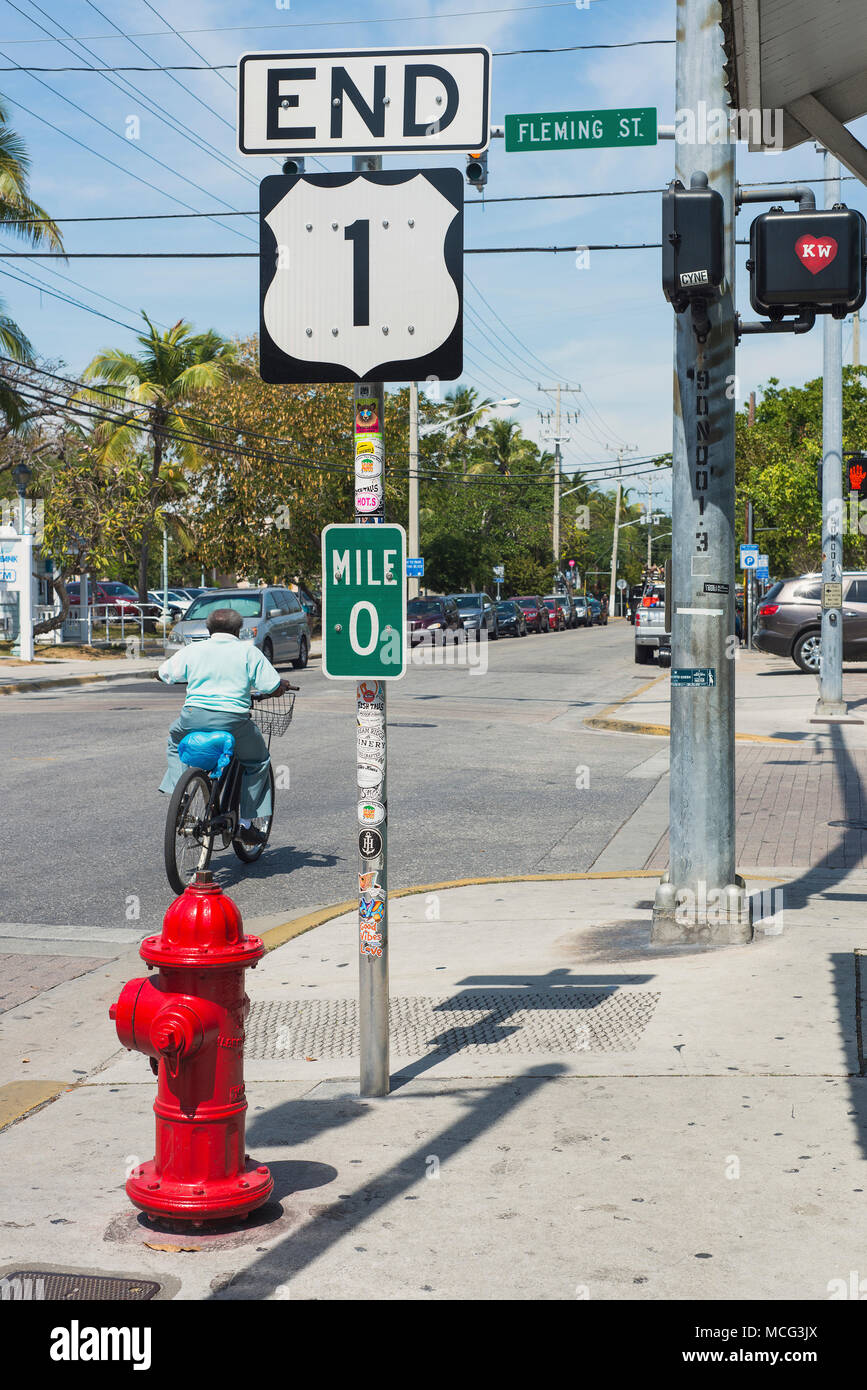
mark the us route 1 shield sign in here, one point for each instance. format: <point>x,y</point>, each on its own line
<point>361,276</point>
<point>363,602</point>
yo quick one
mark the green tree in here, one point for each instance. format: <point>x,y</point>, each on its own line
<point>776,468</point>
<point>24,218</point>
<point>153,391</point>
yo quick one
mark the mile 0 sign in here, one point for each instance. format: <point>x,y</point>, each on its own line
<point>363,602</point>
<point>361,276</point>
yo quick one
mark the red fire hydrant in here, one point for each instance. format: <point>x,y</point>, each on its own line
<point>190,1021</point>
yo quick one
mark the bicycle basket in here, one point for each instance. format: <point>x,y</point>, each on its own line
<point>274,715</point>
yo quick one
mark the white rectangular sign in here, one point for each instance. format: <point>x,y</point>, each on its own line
<point>364,101</point>
<point>10,564</point>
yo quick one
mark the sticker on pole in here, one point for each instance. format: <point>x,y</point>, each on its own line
<point>693,675</point>
<point>363,602</point>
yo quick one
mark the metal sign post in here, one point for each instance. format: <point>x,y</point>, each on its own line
<point>701,899</point>
<point>371,719</point>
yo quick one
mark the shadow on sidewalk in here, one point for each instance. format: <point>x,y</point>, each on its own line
<point>486,1106</point>
<point>848,852</point>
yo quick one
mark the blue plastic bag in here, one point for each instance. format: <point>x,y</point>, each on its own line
<point>207,749</point>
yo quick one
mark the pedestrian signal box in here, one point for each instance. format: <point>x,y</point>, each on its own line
<point>856,473</point>
<point>692,242</point>
<point>808,260</point>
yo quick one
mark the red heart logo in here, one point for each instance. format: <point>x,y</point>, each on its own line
<point>815,252</point>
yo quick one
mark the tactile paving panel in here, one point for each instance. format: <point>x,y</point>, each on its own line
<point>473,1021</point>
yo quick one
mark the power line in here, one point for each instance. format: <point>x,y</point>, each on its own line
<point>232,67</point>
<point>336,23</point>
<point>243,255</point>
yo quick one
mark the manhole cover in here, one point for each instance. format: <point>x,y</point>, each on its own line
<point>56,1285</point>
<point>476,1022</point>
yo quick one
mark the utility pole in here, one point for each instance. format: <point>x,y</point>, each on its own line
<point>412,529</point>
<point>751,413</point>
<point>555,530</point>
<point>371,716</point>
<point>627,448</point>
<point>701,899</point>
<point>830,702</point>
<point>649,520</point>
<point>856,340</point>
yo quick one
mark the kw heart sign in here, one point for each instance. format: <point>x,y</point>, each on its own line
<point>815,252</point>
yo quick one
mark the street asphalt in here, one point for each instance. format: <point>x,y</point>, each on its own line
<point>489,774</point>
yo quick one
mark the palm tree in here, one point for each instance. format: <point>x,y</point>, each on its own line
<point>20,215</point>
<point>153,388</point>
<point>464,400</point>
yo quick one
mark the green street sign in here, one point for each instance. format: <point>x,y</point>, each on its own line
<point>363,602</point>
<point>581,130</point>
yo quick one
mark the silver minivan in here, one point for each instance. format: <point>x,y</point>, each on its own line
<point>274,621</point>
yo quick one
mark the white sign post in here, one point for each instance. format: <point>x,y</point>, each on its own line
<point>364,101</point>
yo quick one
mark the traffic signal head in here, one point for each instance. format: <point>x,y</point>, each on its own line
<point>692,242</point>
<point>477,170</point>
<point>813,259</point>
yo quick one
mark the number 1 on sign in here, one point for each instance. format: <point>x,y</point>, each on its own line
<point>359,234</point>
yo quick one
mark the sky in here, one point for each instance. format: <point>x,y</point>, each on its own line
<point>530,319</point>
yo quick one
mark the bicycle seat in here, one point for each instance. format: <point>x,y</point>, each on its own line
<point>210,750</point>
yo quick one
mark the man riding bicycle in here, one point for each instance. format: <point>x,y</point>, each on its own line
<point>222,674</point>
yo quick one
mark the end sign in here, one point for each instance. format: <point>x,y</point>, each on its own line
<point>363,602</point>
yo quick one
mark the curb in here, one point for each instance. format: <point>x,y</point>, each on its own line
<point>16,687</point>
<point>297,926</point>
<point>624,726</point>
<point>287,931</point>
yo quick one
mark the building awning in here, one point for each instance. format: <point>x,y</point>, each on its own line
<point>807,58</point>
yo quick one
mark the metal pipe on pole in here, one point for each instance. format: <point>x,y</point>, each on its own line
<point>701,899</point>
<point>371,716</point>
<point>830,702</point>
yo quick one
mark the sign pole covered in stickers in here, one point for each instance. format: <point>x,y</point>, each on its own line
<point>370,773</point>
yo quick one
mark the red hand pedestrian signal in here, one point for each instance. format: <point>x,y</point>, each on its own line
<point>857,474</point>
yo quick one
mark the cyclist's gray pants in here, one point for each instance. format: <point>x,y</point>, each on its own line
<point>250,748</point>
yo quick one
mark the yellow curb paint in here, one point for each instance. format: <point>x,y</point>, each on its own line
<point>17,1098</point>
<point>622,726</point>
<point>287,931</point>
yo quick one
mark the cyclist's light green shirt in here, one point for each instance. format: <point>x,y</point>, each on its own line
<point>221,673</point>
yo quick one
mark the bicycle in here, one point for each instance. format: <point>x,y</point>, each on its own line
<point>206,801</point>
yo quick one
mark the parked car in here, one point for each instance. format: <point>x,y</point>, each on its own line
<point>177,607</point>
<point>510,618</point>
<point>651,637</point>
<point>274,621</point>
<point>569,609</point>
<point>108,592</point>
<point>582,610</point>
<point>535,613</point>
<point>434,613</point>
<point>477,612</point>
<point>789,617</point>
<point>557,615</point>
<point>598,615</point>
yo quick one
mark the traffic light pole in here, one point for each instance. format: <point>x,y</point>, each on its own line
<point>830,702</point>
<point>701,899</point>
<point>412,584</point>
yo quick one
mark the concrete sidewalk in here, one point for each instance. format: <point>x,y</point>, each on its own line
<point>45,673</point>
<point>574,1113</point>
<point>774,701</point>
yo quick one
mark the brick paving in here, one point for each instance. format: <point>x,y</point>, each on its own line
<point>792,805</point>
<point>22,976</point>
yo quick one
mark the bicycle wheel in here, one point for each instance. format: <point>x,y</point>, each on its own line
<point>186,847</point>
<point>250,853</point>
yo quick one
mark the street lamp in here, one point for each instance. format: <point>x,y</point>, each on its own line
<point>22,475</point>
<point>509,403</point>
